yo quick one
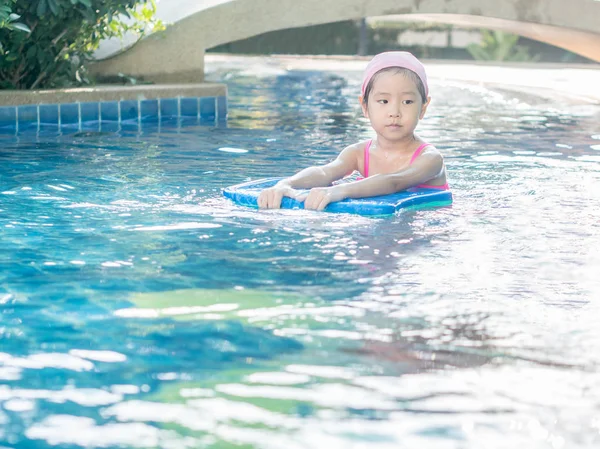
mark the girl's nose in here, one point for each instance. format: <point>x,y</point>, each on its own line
<point>394,110</point>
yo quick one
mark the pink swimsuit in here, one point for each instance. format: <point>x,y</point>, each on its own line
<point>416,154</point>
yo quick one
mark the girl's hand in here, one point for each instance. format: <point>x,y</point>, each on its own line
<point>271,198</point>
<point>319,197</point>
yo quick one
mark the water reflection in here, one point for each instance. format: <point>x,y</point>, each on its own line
<point>142,307</point>
<point>458,341</point>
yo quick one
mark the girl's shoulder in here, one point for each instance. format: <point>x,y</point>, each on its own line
<point>358,147</point>
<point>427,147</point>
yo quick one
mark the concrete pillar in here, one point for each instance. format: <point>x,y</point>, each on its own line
<point>157,59</point>
<point>363,38</point>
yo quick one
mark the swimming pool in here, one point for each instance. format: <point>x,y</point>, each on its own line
<point>142,309</point>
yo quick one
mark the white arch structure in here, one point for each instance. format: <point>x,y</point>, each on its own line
<point>177,54</point>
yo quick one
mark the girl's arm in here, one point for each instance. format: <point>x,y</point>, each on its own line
<point>317,176</point>
<point>427,166</point>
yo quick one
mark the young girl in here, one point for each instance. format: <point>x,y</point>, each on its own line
<point>394,97</point>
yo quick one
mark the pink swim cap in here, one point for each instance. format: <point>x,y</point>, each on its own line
<point>388,59</point>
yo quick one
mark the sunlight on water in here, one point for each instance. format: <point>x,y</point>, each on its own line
<point>142,309</point>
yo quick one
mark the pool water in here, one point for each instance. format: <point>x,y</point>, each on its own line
<point>140,308</point>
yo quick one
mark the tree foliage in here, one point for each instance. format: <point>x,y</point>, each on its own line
<point>46,43</point>
<point>500,46</point>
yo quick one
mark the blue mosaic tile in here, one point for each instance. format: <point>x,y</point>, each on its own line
<point>169,107</point>
<point>49,114</point>
<point>130,126</point>
<point>187,120</point>
<point>27,114</point>
<point>109,111</point>
<point>129,110</point>
<point>7,130</point>
<point>170,122</point>
<point>91,125</point>
<point>110,126</point>
<point>69,113</point>
<point>189,107</point>
<point>48,129</point>
<point>28,126</point>
<point>8,115</point>
<point>149,108</point>
<point>208,108</point>
<point>222,108</point>
<point>90,112</point>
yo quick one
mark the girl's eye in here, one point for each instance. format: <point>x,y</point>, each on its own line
<point>382,101</point>
<point>408,102</point>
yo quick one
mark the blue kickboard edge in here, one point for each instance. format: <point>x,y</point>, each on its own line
<point>246,194</point>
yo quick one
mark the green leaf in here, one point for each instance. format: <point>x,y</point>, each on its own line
<point>53,7</point>
<point>87,3</point>
<point>20,26</point>
<point>31,52</point>
<point>42,8</point>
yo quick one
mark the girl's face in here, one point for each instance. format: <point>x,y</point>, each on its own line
<point>394,106</point>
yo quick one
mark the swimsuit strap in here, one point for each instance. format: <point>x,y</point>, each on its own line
<point>426,186</point>
<point>418,152</point>
<point>366,157</point>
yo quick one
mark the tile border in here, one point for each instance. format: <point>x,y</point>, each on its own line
<point>80,108</point>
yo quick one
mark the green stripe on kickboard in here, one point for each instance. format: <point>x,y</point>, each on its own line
<point>432,205</point>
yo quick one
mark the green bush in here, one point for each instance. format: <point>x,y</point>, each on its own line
<point>500,46</point>
<point>46,43</point>
<point>8,20</point>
